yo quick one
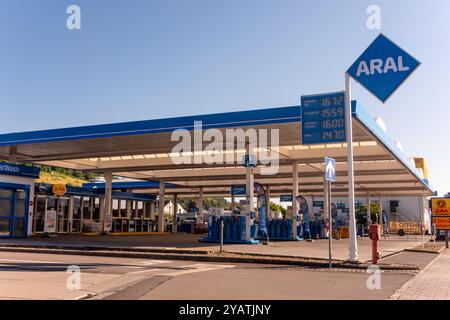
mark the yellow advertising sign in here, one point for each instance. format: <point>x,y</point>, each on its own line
<point>343,232</point>
<point>421,164</point>
<point>442,223</point>
<point>440,206</point>
<point>408,227</point>
<point>59,189</point>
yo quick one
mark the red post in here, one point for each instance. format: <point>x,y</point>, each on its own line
<point>375,236</point>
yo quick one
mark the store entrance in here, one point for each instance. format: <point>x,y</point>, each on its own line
<point>13,211</point>
<point>58,204</point>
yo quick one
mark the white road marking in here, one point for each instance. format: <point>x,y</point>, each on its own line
<point>31,261</point>
<point>186,269</point>
<point>151,262</point>
<point>140,264</point>
<point>198,267</point>
<point>142,271</point>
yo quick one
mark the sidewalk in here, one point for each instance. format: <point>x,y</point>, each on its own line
<point>432,283</point>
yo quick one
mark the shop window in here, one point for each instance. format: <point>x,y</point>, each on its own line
<point>5,208</point>
<point>4,227</point>
<point>393,206</point>
<point>6,193</point>
<point>51,204</point>
<point>18,228</point>
<point>19,208</point>
<point>340,204</point>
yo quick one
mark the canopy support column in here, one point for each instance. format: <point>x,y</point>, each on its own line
<point>249,178</point>
<point>294,198</point>
<point>200,203</point>
<point>175,212</point>
<point>380,216</point>
<point>161,196</point>
<point>108,199</point>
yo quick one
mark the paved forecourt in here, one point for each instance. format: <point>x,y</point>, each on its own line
<point>183,241</point>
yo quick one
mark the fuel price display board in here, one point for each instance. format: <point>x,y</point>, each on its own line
<point>323,118</point>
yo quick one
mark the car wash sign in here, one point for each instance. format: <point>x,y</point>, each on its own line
<point>383,67</point>
<point>12,169</point>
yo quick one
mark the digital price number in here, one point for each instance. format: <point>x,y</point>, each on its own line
<point>323,118</point>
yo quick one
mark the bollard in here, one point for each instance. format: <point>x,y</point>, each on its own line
<point>221,235</point>
<point>375,236</point>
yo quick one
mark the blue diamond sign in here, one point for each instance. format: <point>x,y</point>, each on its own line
<point>383,67</point>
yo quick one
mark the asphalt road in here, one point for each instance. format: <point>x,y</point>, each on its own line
<point>44,276</point>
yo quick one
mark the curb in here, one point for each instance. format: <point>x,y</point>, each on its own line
<point>114,249</point>
<point>204,256</point>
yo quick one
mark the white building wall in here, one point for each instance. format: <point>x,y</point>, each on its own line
<point>409,207</point>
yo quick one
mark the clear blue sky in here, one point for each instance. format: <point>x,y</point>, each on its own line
<point>143,59</point>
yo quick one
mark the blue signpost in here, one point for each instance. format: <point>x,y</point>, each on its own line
<point>330,175</point>
<point>249,160</point>
<point>383,67</point>
<point>330,171</point>
<point>323,118</point>
<point>238,189</point>
<point>286,198</point>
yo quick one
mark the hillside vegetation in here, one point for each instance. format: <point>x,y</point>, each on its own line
<point>60,178</point>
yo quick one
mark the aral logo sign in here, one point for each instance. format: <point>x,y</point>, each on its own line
<point>440,206</point>
<point>383,67</point>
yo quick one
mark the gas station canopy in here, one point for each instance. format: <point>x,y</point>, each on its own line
<point>143,150</point>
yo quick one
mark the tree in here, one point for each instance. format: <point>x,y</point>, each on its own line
<point>374,213</point>
<point>278,208</point>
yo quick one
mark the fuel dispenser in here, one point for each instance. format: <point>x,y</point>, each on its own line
<point>237,225</point>
<point>375,236</point>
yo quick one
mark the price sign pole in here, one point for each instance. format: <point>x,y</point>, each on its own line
<point>330,233</point>
<point>330,175</point>
<point>353,246</point>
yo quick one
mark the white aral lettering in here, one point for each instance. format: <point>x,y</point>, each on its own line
<point>390,65</point>
<point>381,67</point>
<point>376,64</point>
<point>400,65</point>
<point>362,68</point>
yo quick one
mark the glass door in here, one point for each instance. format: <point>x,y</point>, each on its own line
<point>6,207</point>
<point>39,214</point>
<point>76,215</point>
<point>13,212</point>
<point>63,215</point>
<point>20,213</point>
